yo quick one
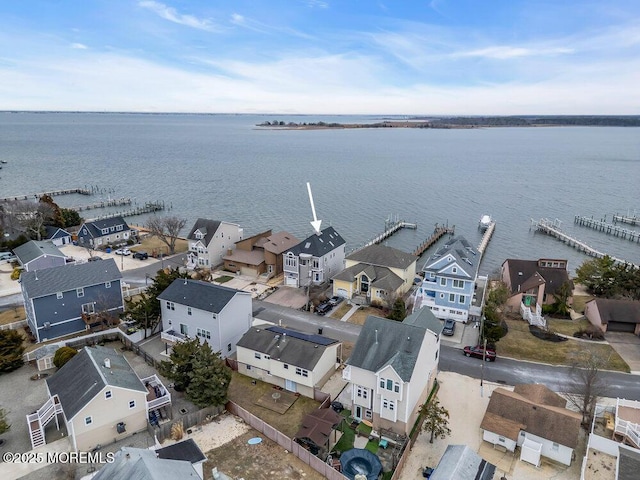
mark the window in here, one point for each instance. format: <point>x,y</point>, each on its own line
<point>454,270</point>
<point>502,439</point>
<point>452,297</point>
<point>107,284</point>
<point>119,228</point>
<point>171,306</point>
<point>443,281</point>
<point>362,392</point>
<point>203,333</point>
<point>88,308</point>
<point>228,347</point>
<point>368,414</point>
<point>389,384</point>
<point>458,284</point>
<point>442,295</point>
<point>382,383</point>
<point>107,394</point>
<point>88,420</point>
<point>461,299</point>
<point>396,387</point>
<point>184,329</point>
<point>555,447</point>
<point>257,355</point>
<point>80,292</point>
<point>59,295</point>
<point>267,357</point>
<point>132,404</point>
<point>269,372</point>
<point>436,357</point>
<point>188,310</point>
<point>248,367</point>
<point>388,404</point>
<point>302,371</point>
<point>214,316</point>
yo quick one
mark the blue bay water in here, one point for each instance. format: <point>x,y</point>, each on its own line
<point>223,167</point>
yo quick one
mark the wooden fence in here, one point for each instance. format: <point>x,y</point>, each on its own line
<point>14,325</point>
<point>205,415</point>
<point>285,442</point>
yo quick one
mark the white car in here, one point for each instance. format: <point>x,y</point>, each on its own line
<point>123,251</point>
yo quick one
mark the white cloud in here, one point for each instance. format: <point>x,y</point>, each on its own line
<point>317,4</point>
<point>171,14</point>
<point>79,46</point>
<point>507,52</point>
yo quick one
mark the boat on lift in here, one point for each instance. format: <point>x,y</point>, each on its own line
<point>485,221</point>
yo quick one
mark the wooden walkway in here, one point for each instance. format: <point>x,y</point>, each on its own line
<point>390,229</point>
<point>113,202</point>
<point>488,233</point>
<point>438,232</point>
<point>553,229</point>
<point>608,228</point>
<point>149,207</point>
<point>54,193</point>
<point>630,219</point>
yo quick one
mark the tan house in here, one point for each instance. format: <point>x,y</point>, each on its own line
<point>376,275</point>
<point>298,362</point>
<point>611,315</point>
<point>100,398</point>
<point>259,254</point>
<point>534,282</point>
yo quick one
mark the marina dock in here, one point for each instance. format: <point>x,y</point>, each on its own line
<point>113,202</point>
<point>391,227</point>
<point>486,237</point>
<point>438,232</point>
<point>609,229</point>
<point>629,219</point>
<point>149,207</point>
<point>553,229</point>
<point>54,193</point>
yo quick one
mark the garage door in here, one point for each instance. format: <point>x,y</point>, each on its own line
<point>621,327</point>
<point>341,292</point>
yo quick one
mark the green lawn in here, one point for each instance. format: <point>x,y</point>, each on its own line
<point>223,279</point>
<point>346,440</point>
<point>567,327</point>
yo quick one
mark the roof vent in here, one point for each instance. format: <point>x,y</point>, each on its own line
<point>107,363</point>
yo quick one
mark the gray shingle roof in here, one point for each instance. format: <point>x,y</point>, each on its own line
<point>629,463</point>
<point>95,227</point>
<point>142,464</point>
<point>35,249</point>
<point>319,245</point>
<point>464,254</point>
<point>385,342</point>
<point>56,232</point>
<point>295,348</point>
<point>186,450</point>
<point>208,227</point>
<point>41,283</point>
<point>381,277</point>
<point>526,274</point>
<point>425,318</point>
<point>198,294</point>
<point>85,375</point>
<point>611,310</point>
<point>383,256</point>
<point>459,462</point>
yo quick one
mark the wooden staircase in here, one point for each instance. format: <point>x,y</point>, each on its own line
<point>41,418</point>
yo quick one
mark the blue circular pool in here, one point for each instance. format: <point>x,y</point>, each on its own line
<point>359,461</point>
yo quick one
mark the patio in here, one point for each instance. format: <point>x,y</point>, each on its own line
<point>278,401</point>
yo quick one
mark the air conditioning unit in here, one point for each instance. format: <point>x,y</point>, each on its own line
<point>47,324</point>
<point>120,427</point>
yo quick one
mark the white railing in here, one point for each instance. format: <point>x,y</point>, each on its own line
<point>172,337</point>
<point>131,292</point>
<point>42,417</point>
<point>623,402</point>
<point>533,318</point>
<point>164,398</point>
<point>629,430</point>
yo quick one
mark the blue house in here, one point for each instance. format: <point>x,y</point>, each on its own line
<point>109,231</point>
<point>38,255</point>
<point>73,298</point>
<point>58,236</point>
<point>449,280</point>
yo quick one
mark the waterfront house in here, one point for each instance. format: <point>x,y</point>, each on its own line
<point>534,282</point>
<point>72,298</point>
<point>298,362</point>
<point>314,260</point>
<point>102,233</point>
<point>212,313</point>
<point>535,419</point>
<point>612,315</point>
<point>58,236</point>
<point>209,241</point>
<point>392,369</point>
<point>449,281</point>
<point>259,254</point>
<point>376,275</point>
<point>38,255</point>
<point>99,398</point>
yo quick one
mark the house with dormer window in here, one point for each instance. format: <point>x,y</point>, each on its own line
<point>100,233</point>
<point>392,369</point>
<point>209,241</point>
<point>314,260</point>
<point>449,280</point>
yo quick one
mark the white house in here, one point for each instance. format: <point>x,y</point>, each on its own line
<point>296,361</point>
<point>315,259</point>
<point>535,419</point>
<point>392,369</point>
<point>210,240</point>
<point>215,314</point>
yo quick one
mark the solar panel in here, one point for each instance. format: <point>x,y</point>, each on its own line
<point>307,337</point>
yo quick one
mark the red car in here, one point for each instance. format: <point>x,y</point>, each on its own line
<point>478,351</point>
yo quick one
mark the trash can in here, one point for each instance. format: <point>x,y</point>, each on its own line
<point>319,331</point>
<point>108,249</point>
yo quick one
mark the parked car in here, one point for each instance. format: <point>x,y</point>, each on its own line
<point>478,351</point>
<point>140,255</point>
<point>323,308</point>
<point>335,300</point>
<point>94,259</point>
<point>8,256</point>
<point>123,251</point>
<point>449,327</point>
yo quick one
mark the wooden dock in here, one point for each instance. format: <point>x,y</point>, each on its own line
<point>629,219</point>
<point>438,232</point>
<point>149,207</point>
<point>486,237</point>
<point>54,193</point>
<point>553,229</point>
<point>608,228</point>
<point>390,229</point>
<point>112,202</point>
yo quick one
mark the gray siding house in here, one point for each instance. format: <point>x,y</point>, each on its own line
<point>55,299</point>
<point>38,255</point>
<point>214,314</point>
<point>110,231</point>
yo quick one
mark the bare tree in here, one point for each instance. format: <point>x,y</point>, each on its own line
<point>166,229</point>
<point>589,385</point>
<point>27,217</point>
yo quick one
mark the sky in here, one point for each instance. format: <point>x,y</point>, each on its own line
<point>404,57</point>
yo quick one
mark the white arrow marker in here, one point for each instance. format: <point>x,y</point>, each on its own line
<point>316,223</point>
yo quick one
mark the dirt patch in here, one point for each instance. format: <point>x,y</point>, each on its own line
<point>12,315</point>
<point>579,302</point>
<point>153,245</point>
<point>362,313</point>
<point>341,310</point>
<point>266,460</point>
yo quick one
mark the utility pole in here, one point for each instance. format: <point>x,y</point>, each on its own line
<point>484,360</point>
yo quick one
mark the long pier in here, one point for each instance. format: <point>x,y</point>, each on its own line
<point>629,219</point>
<point>488,233</point>
<point>438,232</point>
<point>112,202</point>
<point>53,193</point>
<point>609,229</point>
<point>553,229</point>
<point>390,229</point>
<point>149,207</point>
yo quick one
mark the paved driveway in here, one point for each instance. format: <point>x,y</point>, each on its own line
<point>628,347</point>
<point>288,297</point>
